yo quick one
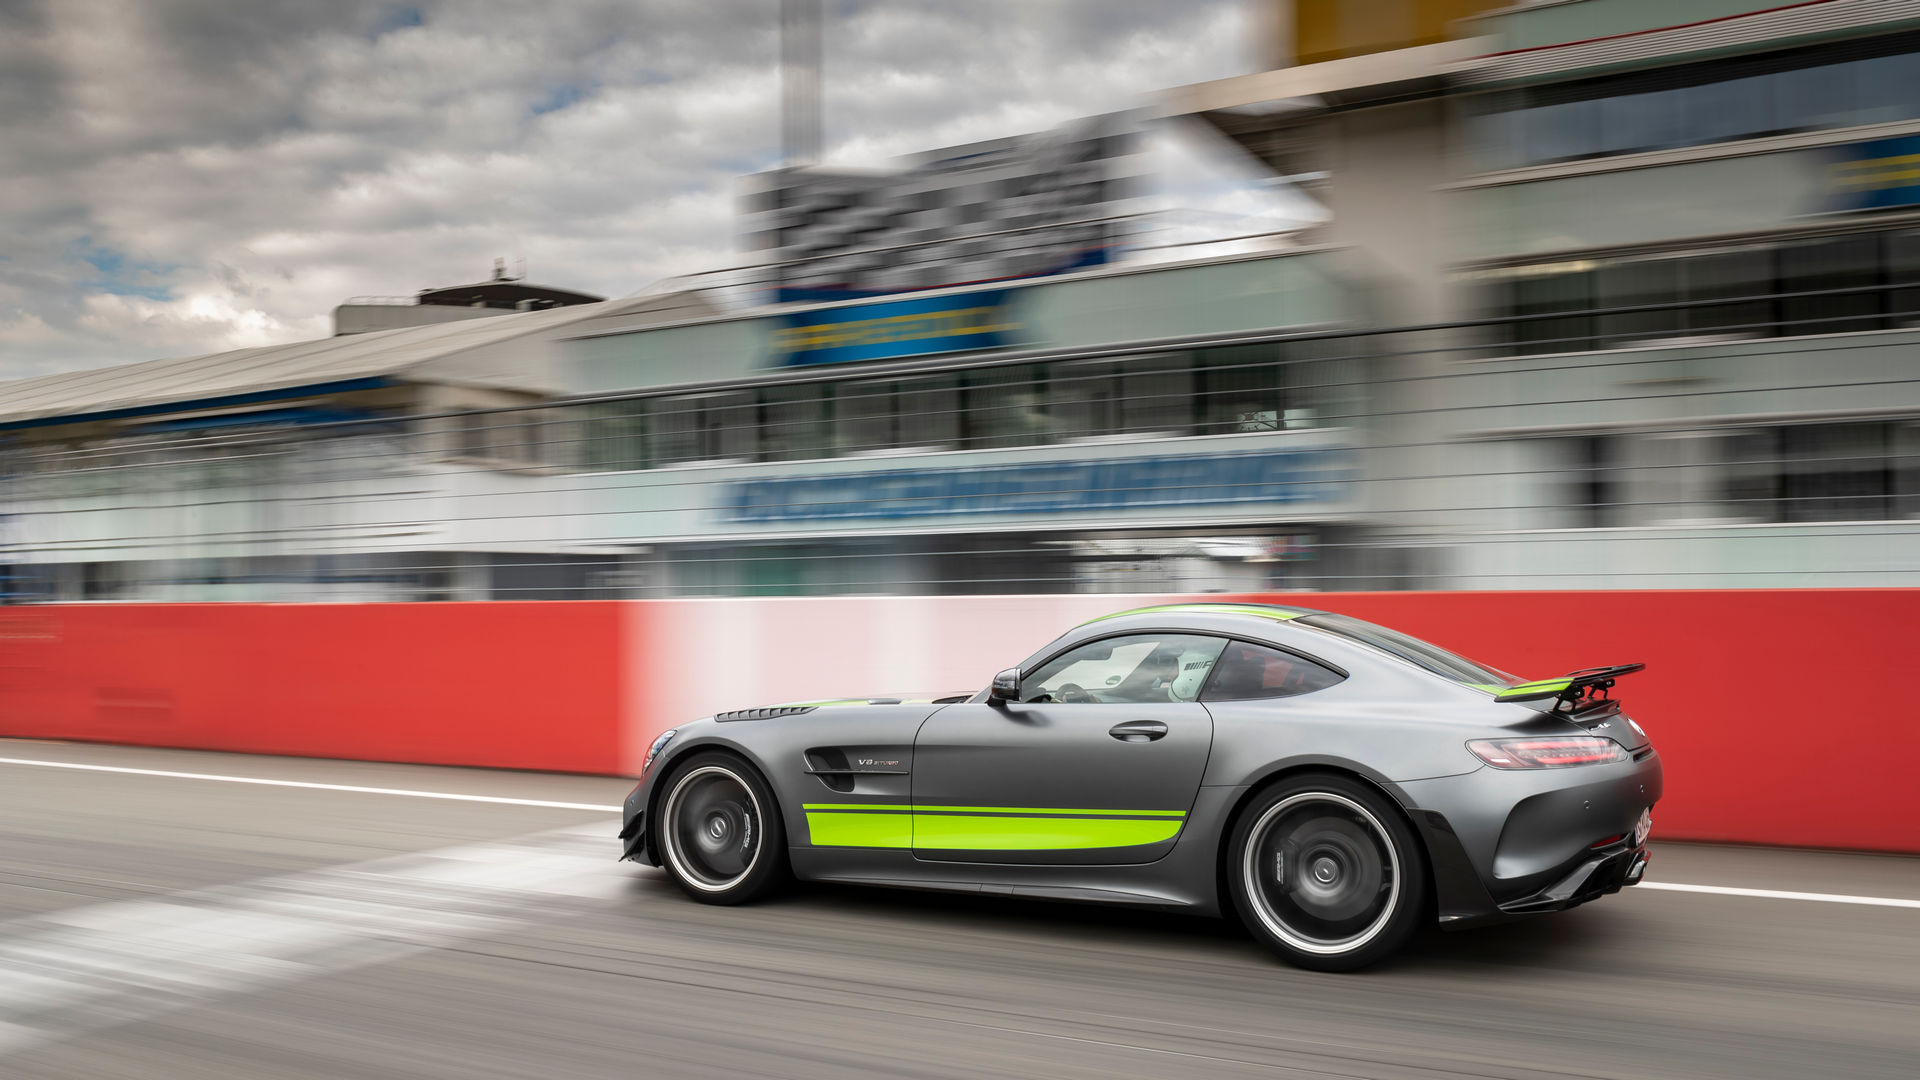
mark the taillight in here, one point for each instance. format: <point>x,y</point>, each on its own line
<point>1548,753</point>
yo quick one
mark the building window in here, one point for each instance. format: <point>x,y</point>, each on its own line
<point>1825,285</point>
<point>1086,399</point>
<point>864,415</point>
<point>1836,472</point>
<point>615,437</point>
<point>797,422</point>
<point>1242,388</point>
<point>1530,298</point>
<point>1729,293</point>
<point>928,418</point>
<point>674,433</point>
<point>1841,84</point>
<point>1593,489</point>
<point>1245,389</point>
<point>1156,395</point>
<point>1862,471</point>
<point>1638,284</point>
<point>1830,286</point>
<point>1005,406</point>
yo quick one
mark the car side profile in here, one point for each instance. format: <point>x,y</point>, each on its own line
<point>1332,783</point>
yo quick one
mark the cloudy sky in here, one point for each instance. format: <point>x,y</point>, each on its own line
<point>185,176</point>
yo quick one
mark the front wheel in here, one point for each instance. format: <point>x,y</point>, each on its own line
<point>720,833</point>
<point>1326,872</point>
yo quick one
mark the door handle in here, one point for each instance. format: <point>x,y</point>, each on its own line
<point>1138,731</point>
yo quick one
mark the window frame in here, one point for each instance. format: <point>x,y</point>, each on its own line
<point>1029,672</point>
<point>1220,662</point>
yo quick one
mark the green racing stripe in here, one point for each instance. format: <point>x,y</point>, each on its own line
<point>986,828</point>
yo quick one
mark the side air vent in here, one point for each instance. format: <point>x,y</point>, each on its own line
<point>830,765</point>
<point>767,713</point>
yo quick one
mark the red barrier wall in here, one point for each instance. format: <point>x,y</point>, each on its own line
<point>518,685</point>
<point>1784,716</point>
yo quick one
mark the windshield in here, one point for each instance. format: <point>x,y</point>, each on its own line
<point>1408,648</point>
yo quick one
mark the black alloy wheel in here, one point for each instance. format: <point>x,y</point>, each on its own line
<point>1327,873</point>
<point>721,837</point>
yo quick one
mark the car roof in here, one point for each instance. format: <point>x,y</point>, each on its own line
<point>1275,612</point>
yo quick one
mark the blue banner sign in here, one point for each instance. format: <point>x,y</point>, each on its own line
<point>1875,175</point>
<point>895,328</point>
<point>1057,487</point>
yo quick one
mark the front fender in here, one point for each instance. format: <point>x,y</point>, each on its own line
<point>639,812</point>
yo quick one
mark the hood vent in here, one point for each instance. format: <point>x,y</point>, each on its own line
<point>765,713</point>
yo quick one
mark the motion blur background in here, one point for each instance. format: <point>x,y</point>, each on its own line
<point>1543,296</point>
<point>836,347</point>
<point>1542,300</point>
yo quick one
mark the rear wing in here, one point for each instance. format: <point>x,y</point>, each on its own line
<point>1576,689</point>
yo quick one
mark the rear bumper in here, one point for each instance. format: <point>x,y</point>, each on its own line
<point>1507,843</point>
<point>1596,877</point>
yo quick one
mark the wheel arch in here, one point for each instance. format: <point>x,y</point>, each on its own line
<point>1280,773</point>
<point>672,758</point>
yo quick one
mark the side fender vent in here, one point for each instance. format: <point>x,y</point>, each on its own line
<point>830,766</point>
<point>763,714</point>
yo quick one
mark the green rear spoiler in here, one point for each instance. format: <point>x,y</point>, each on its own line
<point>1570,687</point>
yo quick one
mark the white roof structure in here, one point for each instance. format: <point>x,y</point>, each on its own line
<point>458,353</point>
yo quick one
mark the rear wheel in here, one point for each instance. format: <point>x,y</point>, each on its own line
<point>720,835</point>
<point>1326,872</point>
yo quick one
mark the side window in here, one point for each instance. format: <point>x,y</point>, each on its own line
<point>1249,671</point>
<point>1135,669</point>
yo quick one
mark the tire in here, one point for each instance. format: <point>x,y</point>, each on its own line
<point>1326,872</point>
<point>720,835</point>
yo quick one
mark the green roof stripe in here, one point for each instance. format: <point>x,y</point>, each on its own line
<point>1278,614</point>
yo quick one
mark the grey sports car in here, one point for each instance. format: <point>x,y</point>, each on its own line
<point>1334,783</point>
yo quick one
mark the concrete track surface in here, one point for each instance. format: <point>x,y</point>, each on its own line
<point>165,926</point>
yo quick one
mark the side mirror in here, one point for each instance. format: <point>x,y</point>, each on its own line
<point>1006,687</point>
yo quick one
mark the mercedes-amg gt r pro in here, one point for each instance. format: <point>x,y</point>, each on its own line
<point>1333,783</point>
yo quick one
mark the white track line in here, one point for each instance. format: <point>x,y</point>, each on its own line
<point>1716,890</point>
<point>1777,894</point>
<point>451,796</point>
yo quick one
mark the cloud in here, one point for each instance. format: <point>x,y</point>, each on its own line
<point>184,176</point>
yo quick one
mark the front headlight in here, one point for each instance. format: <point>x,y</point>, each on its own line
<point>659,744</point>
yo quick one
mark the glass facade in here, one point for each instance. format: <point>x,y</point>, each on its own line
<point>1838,85</point>
<point>1775,474</point>
<point>1220,391</point>
<point>1814,285</point>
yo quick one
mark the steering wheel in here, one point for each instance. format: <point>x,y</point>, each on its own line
<point>1071,694</point>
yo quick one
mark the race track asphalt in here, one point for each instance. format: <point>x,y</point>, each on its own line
<point>155,926</point>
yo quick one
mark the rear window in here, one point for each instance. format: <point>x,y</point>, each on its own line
<point>1406,647</point>
<point>1249,672</point>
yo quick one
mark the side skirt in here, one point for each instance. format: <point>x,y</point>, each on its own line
<point>1112,884</point>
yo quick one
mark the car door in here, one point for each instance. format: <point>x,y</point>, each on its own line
<point>1098,761</point>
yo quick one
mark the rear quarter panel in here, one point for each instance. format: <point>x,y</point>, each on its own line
<point>1389,725</point>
